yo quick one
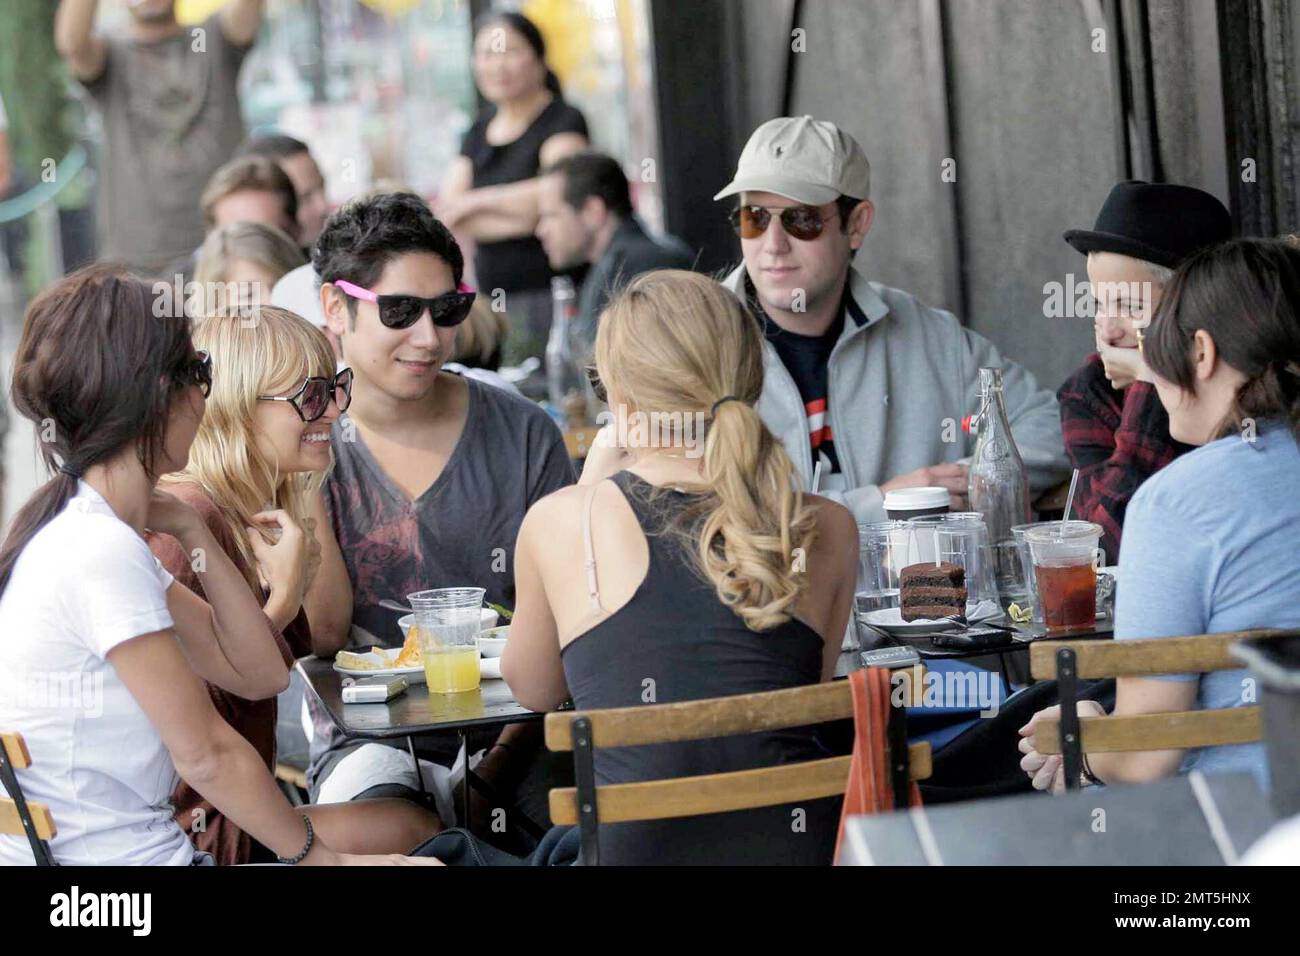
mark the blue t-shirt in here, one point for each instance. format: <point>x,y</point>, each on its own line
<point>1209,546</point>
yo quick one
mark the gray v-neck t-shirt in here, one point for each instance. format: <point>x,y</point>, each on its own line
<point>459,532</point>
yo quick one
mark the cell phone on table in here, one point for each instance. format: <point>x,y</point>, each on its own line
<point>974,639</point>
<point>374,690</point>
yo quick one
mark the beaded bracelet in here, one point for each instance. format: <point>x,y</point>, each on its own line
<point>311,838</point>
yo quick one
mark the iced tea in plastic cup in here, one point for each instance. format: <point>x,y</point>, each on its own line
<point>1066,557</point>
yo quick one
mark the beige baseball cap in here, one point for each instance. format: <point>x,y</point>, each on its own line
<point>807,160</point>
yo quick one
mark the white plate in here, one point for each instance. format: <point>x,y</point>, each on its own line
<point>488,668</point>
<point>890,619</point>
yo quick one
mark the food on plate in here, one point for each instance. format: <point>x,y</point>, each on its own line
<point>932,591</point>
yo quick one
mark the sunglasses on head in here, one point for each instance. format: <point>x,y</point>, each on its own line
<point>196,370</point>
<point>597,386</point>
<point>801,222</point>
<point>403,311</point>
<point>312,400</point>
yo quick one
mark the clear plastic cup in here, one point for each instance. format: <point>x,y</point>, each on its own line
<point>882,553</point>
<point>1030,584</point>
<point>448,623</point>
<point>959,538</point>
<point>1065,557</point>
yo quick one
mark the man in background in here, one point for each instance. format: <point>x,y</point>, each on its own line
<point>251,189</point>
<point>293,156</point>
<point>862,381</point>
<point>171,117</point>
<point>585,217</point>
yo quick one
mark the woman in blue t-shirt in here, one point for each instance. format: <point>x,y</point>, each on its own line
<point>1209,542</point>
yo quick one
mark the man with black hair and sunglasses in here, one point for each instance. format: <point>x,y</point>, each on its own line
<point>433,471</point>
<point>864,384</point>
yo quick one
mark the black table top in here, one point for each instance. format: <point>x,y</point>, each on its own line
<point>415,712</point>
<point>1025,635</point>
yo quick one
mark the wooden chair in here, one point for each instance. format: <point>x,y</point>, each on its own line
<point>291,775</point>
<point>17,816</point>
<point>1069,661</point>
<point>582,731</point>
<point>578,441</point>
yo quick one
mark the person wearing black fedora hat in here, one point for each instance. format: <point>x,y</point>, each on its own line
<point>1116,431</point>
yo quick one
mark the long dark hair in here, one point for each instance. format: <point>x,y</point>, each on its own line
<point>532,36</point>
<point>1246,294</point>
<point>96,371</point>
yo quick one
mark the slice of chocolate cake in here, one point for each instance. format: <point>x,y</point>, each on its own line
<point>930,591</point>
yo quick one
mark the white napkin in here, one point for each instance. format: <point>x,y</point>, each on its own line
<point>489,668</point>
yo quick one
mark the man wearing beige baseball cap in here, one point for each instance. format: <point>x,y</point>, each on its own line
<point>863,382</point>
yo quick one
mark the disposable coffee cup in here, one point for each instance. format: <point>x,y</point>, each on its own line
<point>905,503</point>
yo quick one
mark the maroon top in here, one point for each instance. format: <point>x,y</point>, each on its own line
<point>253,719</point>
<point>1117,439</point>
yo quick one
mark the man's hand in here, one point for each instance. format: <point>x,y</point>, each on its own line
<point>952,475</point>
<point>1123,366</point>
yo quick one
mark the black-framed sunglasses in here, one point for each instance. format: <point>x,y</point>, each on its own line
<point>597,386</point>
<point>403,311</point>
<point>196,370</point>
<point>312,400</point>
<point>801,222</point>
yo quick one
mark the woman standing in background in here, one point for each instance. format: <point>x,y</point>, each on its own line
<point>490,193</point>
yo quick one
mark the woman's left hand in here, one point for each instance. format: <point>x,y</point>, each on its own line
<point>169,515</point>
<point>313,553</point>
<point>1047,771</point>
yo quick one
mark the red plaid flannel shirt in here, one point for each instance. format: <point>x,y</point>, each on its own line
<point>1117,440</point>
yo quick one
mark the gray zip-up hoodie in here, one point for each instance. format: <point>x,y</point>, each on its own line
<point>901,378</point>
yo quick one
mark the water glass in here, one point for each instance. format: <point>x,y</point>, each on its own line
<point>962,539</point>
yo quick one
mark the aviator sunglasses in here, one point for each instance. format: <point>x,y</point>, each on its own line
<point>403,311</point>
<point>801,222</point>
<point>313,399</point>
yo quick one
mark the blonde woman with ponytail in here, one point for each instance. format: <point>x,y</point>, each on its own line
<point>254,475</point>
<point>686,564</point>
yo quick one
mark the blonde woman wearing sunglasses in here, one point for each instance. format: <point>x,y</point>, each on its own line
<point>254,475</point>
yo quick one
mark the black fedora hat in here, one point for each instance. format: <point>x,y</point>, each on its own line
<point>1156,222</point>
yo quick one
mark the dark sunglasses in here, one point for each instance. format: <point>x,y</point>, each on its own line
<point>196,370</point>
<point>801,222</point>
<point>403,311</point>
<point>313,399</point>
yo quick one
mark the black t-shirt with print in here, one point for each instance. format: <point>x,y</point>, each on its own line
<point>806,358</point>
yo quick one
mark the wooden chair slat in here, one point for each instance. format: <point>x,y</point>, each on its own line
<point>1178,730</point>
<point>716,716</point>
<point>722,792</point>
<point>12,824</point>
<point>1194,654</point>
<point>16,749</point>
<point>578,441</point>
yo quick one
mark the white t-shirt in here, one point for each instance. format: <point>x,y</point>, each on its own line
<point>83,585</point>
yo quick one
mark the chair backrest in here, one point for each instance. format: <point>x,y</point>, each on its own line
<point>17,816</point>
<point>583,731</point>
<point>1069,661</point>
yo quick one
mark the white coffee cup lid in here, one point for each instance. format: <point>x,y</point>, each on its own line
<point>916,499</point>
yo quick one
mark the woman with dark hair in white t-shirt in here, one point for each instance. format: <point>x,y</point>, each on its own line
<point>102,655</point>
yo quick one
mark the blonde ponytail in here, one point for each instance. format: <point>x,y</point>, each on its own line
<point>678,343</point>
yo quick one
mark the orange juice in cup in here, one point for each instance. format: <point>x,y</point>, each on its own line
<point>447,620</point>
<point>451,670</point>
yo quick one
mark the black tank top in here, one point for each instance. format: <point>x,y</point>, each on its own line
<point>675,641</point>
